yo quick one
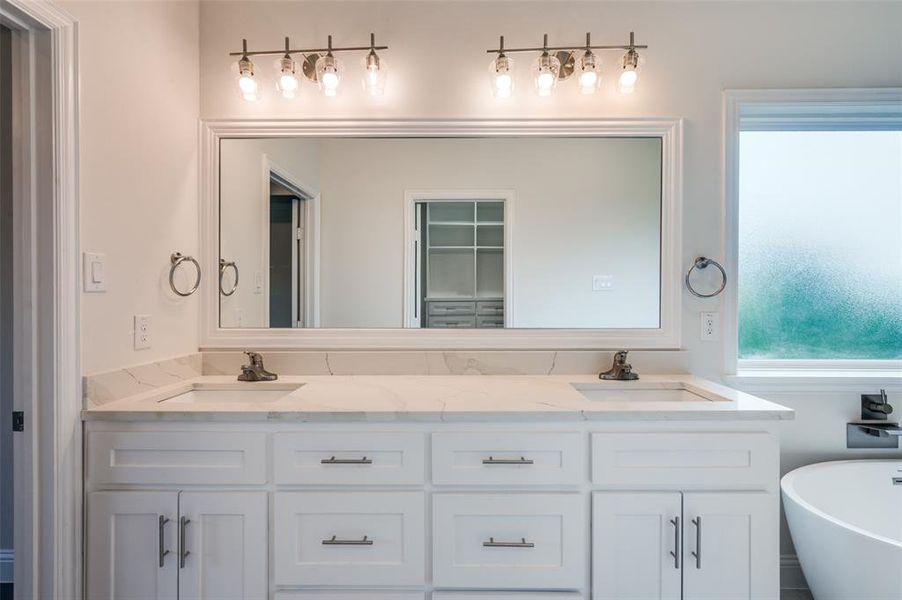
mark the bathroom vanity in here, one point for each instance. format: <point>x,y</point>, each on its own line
<point>442,487</point>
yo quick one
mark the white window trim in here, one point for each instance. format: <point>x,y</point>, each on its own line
<point>792,110</point>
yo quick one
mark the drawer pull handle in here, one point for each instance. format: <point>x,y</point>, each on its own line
<point>676,542</point>
<point>162,551</point>
<point>698,542</point>
<point>347,461</point>
<point>521,544</point>
<point>507,461</point>
<point>183,525</point>
<point>334,541</point>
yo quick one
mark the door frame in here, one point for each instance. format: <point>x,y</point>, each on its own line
<point>48,502</point>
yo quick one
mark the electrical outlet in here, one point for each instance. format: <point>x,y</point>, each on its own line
<point>602,283</point>
<point>710,326</point>
<point>142,332</point>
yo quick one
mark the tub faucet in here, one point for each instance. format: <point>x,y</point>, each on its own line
<point>620,370</point>
<point>875,407</point>
<point>254,371</point>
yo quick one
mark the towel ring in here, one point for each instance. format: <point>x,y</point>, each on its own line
<point>702,263</point>
<point>223,265</point>
<point>176,259</point>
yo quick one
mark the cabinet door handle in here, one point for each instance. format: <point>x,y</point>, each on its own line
<point>334,541</point>
<point>162,522</point>
<point>346,461</point>
<point>507,461</point>
<point>183,541</point>
<point>697,521</point>
<point>521,544</point>
<point>676,542</point>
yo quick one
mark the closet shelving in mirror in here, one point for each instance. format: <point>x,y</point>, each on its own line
<point>556,63</point>
<point>318,65</point>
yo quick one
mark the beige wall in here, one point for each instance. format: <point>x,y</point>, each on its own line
<point>138,80</point>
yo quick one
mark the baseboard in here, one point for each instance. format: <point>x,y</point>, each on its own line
<point>791,576</point>
<point>6,565</point>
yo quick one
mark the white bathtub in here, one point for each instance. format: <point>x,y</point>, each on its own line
<point>846,522</point>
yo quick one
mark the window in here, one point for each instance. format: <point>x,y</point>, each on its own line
<point>818,233</point>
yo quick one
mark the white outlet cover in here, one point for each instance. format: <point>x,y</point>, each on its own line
<point>602,283</point>
<point>710,326</point>
<point>142,332</point>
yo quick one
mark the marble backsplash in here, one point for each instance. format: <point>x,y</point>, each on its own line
<point>106,387</point>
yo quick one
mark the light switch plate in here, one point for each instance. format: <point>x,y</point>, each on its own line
<point>142,332</point>
<point>93,272</point>
<point>602,283</point>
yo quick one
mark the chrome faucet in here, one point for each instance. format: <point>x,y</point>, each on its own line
<point>620,370</point>
<point>255,370</point>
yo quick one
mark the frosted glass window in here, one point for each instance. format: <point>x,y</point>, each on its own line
<point>820,245</point>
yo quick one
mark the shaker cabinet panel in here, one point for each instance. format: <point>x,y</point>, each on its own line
<point>224,546</point>
<point>132,546</point>
<point>731,546</point>
<point>636,545</point>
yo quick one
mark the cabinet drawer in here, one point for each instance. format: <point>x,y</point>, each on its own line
<point>452,308</point>
<point>349,595</point>
<point>349,458</point>
<point>507,458</point>
<point>487,322</point>
<point>507,596</point>
<point>490,308</point>
<point>685,459</point>
<point>349,539</point>
<point>176,457</point>
<point>452,322</point>
<point>509,541</point>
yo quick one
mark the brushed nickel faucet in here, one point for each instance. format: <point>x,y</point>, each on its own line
<point>254,371</point>
<point>620,370</point>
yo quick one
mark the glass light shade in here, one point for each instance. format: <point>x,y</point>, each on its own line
<point>328,74</point>
<point>589,73</point>
<point>288,83</point>
<point>374,74</point>
<point>629,76</point>
<point>501,77</point>
<point>248,86</point>
<point>545,72</point>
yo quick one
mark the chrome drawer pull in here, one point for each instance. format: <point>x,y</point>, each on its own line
<point>507,461</point>
<point>521,544</point>
<point>698,542</point>
<point>183,524</point>
<point>676,542</point>
<point>347,461</point>
<point>334,541</point>
<point>163,553</point>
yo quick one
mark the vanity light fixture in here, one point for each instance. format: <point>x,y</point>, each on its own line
<point>319,65</point>
<point>559,63</point>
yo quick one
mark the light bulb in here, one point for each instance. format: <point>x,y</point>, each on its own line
<point>247,83</point>
<point>288,83</point>
<point>546,70</point>
<point>626,84</point>
<point>588,73</point>
<point>328,74</point>
<point>374,72</point>
<point>501,76</point>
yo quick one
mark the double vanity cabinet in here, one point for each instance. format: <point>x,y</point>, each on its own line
<point>409,508</point>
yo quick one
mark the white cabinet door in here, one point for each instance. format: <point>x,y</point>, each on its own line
<point>132,545</point>
<point>731,546</point>
<point>223,545</point>
<point>636,546</point>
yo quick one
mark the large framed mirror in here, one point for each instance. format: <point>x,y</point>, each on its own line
<point>503,235</point>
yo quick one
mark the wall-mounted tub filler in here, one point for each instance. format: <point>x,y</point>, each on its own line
<point>868,434</point>
<point>254,370</point>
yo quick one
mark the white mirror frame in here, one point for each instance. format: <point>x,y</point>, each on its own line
<point>667,336</point>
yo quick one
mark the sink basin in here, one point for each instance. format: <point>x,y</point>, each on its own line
<point>204,394</point>
<point>635,392</point>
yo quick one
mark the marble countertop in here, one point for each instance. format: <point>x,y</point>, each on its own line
<point>386,398</point>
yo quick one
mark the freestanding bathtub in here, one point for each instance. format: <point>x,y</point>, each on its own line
<point>846,522</point>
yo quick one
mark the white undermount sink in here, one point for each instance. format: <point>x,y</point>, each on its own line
<point>228,394</point>
<point>634,391</point>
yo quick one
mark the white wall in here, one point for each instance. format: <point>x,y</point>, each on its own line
<point>439,70</point>
<point>244,220</point>
<point>138,68</point>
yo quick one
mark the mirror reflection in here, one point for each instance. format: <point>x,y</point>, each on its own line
<point>463,233</point>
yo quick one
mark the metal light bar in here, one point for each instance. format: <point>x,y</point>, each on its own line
<point>328,48</point>
<point>631,46</point>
